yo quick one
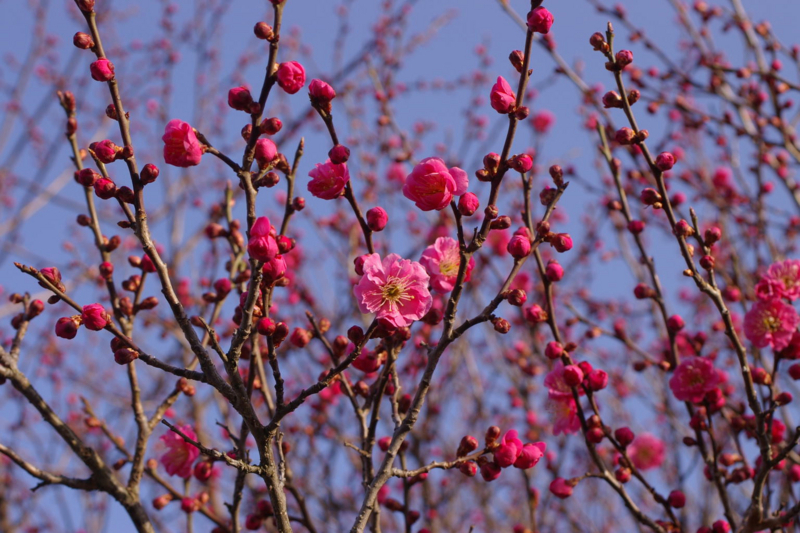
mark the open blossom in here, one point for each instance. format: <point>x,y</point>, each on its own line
<point>395,289</point>
<point>94,317</point>
<point>328,180</point>
<point>502,96</point>
<point>441,260</point>
<point>261,245</point>
<point>646,451</point>
<point>693,378</point>
<point>431,185</point>
<point>180,454</point>
<point>787,274</point>
<point>771,323</point>
<point>530,455</point>
<point>291,76</point>
<point>509,449</point>
<point>564,414</point>
<point>181,147</point>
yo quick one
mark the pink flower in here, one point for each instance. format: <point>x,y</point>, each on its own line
<point>328,180</point>
<point>320,92</point>
<point>507,453</point>
<point>542,121</point>
<point>564,415</point>
<point>181,147</point>
<point>106,151</point>
<point>530,455</point>
<point>771,323</point>
<point>261,245</point>
<point>180,454</point>
<point>395,289</point>
<point>94,317</point>
<point>561,488</point>
<point>431,185</point>
<point>102,70</point>
<point>556,382</point>
<point>441,261</point>
<point>274,269</point>
<point>265,152</point>
<point>502,96</point>
<point>291,76</point>
<point>788,274</point>
<point>540,20</point>
<point>646,451</point>
<point>693,378</point>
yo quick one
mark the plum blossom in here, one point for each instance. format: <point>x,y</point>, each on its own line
<point>180,455</point>
<point>771,323</point>
<point>693,378</point>
<point>395,289</point>
<point>261,244</point>
<point>431,185</point>
<point>502,96</point>
<point>564,415</point>
<point>509,449</point>
<point>181,147</point>
<point>646,451</point>
<point>556,383</point>
<point>787,274</point>
<point>328,180</point>
<point>442,260</point>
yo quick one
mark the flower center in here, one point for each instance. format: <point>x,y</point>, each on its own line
<point>394,291</point>
<point>448,267</point>
<point>771,323</point>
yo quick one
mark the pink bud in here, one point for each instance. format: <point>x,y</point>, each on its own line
<point>377,219</point>
<point>320,92</point>
<point>300,338</point>
<point>665,161</point>
<point>66,328</point>
<point>468,445</point>
<point>291,76</point>
<point>573,375</point>
<point>106,151</point>
<point>105,189</point>
<point>540,20</point>
<point>468,203</point>
<point>624,58</point>
<point>675,323</point>
<point>87,177</point>
<point>265,152</point>
<point>624,436</point>
<point>82,40</point>
<point>535,314</point>
<point>636,226</point>
<point>794,371</point>
<point>519,246</point>
<point>676,499</point>
<point>265,326</point>
<point>125,355</point>
<point>650,196</point>
<point>490,471</point>
<point>273,270</point>
<point>625,136</point>
<point>521,163</point>
<point>149,173</point>
<point>598,380</point>
<point>240,99</point>
<point>94,317</point>
<point>553,350</point>
<point>339,154</point>
<point>562,242</point>
<point>560,488</point>
<point>102,70</point>
<point>502,97</point>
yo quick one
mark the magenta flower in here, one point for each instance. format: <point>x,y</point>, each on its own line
<point>509,450</point>
<point>502,96</point>
<point>561,488</point>
<point>261,244</point>
<point>266,152</point>
<point>530,455</point>
<point>180,454</point>
<point>395,289</point>
<point>181,147</point>
<point>441,261</point>
<point>94,317</point>
<point>102,70</point>
<point>431,185</point>
<point>328,180</point>
<point>320,92</point>
<point>646,451</point>
<point>564,414</point>
<point>106,151</point>
<point>291,76</point>
<point>540,20</point>
<point>771,323</point>
<point>693,378</point>
<point>787,273</point>
<point>556,382</point>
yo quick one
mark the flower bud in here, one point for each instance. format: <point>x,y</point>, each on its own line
<point>625,136</point>
<point>468,468</point>
<point>149,173</point>
<point>265,326</point>
<point>624,58</point>
<point>540,20</point>
<point>263,31</point>
<point>377,219</point>
<point>665,161</point>
<point>339,154</point>
<point>468,203</point>
<point>240,99</point>
<point>562,242</point>
<point>519,246</point>
<point>676,499</point>
<point>82,40</point>
<point>271,126</point>
<point>102,70</point>
<point>125,355</point>
<point>650,196</point>
<point>468,445</point>
<point>553,350</point>
<point>624,436</point>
